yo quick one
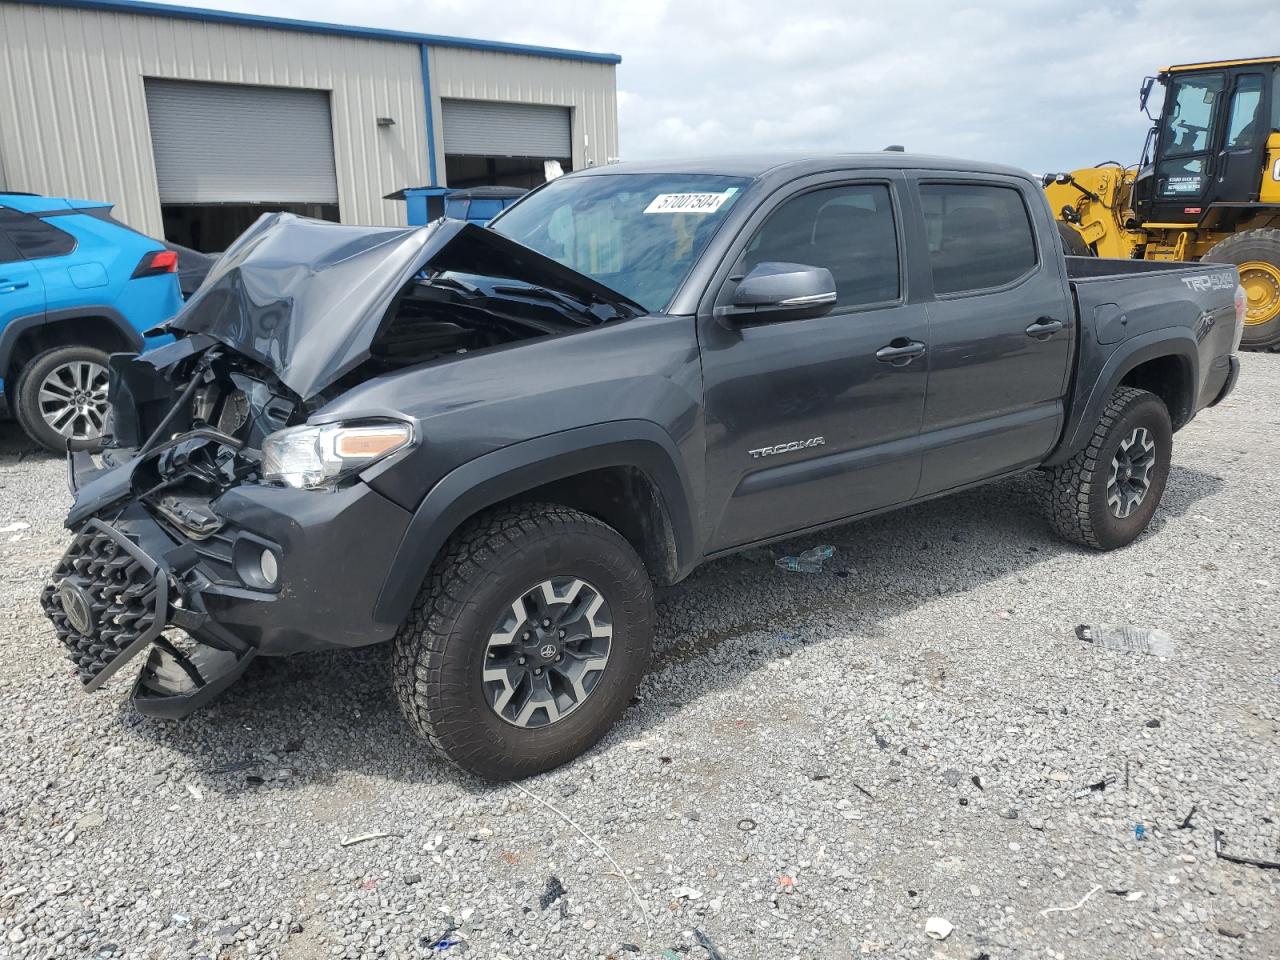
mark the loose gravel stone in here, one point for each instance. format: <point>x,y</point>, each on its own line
<point>823,736</point>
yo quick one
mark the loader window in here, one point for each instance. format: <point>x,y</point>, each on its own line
<point>1246,125</point>
<point>1189,115</point>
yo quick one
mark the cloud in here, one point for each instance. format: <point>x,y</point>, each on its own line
<point>1038,84</point>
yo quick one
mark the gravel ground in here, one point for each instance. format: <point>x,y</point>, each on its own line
<point>817,764</point>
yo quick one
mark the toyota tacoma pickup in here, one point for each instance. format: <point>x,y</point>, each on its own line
<point>485,445</point>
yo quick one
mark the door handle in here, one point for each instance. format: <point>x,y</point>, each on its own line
<point>7,286</point>
<point>1044,328</point>
<point>900,352</point>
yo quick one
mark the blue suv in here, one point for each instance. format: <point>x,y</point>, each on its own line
<point>75,286</point>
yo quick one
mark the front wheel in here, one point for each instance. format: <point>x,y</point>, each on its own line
<point>526,642</point>
<point>1106,494</point>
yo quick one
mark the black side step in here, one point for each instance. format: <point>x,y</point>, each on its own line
<point>174,684</point>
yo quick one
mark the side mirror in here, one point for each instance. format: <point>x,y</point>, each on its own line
<point>775,291</point>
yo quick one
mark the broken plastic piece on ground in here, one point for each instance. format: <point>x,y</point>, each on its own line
<point>810,561</point>
<point>1220,845</point>
<point>713,952</point>
<point>938,928</point>
<point>1186,824</point>
<point>1097,787</point>
<point>746,824</point>
<point>15,527</point>
<point>554,891</point>
<point>1128,895</point>
<point>351,841</point>
<point>1139,832</point>
<point>1127,639</point>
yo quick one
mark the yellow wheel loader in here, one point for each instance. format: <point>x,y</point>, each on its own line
<point>1207,187</point>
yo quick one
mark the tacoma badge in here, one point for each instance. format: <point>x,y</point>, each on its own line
<point>791,447</point>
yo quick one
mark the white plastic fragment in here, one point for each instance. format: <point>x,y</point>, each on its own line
<point>15,527</point>
<point>938,928</point>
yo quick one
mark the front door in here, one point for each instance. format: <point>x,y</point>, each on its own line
<point>1001,330</point>
<point>21,289</point>
<point>805,424</point>
<point>1186,148</point>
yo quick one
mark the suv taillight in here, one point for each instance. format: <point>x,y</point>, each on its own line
<point>160,261</point>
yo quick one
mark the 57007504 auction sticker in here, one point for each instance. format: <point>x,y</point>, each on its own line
<point>689,202</point>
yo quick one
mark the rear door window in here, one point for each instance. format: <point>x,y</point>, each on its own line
<point>8,252</point>
<point>979,236</point>
<point>34,238</point>
<point>848,229</point>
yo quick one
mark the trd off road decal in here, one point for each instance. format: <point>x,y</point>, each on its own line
<point>1210,281</point>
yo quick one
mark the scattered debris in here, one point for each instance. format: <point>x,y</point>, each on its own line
<point>443,944</point>
<point>1128,895</point>
<point>1127,639</point>
<point>1153,723</point>
<point>746,824</point>
<point>1083,900</point>
<point>15,527</point>
<point>713,952</point>
<point>1139,832</point>
<point>1220,848</point>
<point>1232,930</point>
<point>11,894</point>
<point>881,742</point>
<point>479,835</point>
<point>194,791</point>
<point>862,790</point>
<point>596,843</point>
<point>938,928</point>
<point>1097,787</point>
<point>1009,813</point>
<point>810,561</point>
<point>819,775</point>
<point>976,781</point>
<point>554,891</point>
<point>787,883</point>
<point>378,835</point>
<point>237,766</point>
<point>369,883</point>
<point>1186,824</point>
<point>686,893</point>
<point>412,878</point>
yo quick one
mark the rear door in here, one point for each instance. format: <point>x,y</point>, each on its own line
<point>1001,329</point>
<point>847,421</point>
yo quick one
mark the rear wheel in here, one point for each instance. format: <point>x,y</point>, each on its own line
<point>526,642</point>
<point>62,398</point>
<point>1106,494</point>
<point>1256,254</point>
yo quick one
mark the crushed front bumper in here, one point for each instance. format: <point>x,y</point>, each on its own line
<point>132,580</point>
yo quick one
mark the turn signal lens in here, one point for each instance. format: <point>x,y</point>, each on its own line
<point>312,457</point>
<point>1242,309</point>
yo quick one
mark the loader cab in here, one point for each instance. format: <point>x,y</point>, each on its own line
<point>1209,145</point>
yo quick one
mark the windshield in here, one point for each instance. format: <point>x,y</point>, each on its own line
<point>638,234</point>
<point>1190,114</point>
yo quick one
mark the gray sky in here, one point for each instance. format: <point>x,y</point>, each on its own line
<point>1043,85</point>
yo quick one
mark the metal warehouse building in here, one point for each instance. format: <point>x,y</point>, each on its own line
<point>193,122</point>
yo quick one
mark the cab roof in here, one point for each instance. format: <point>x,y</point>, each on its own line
<point>757,166</point>
<point>1210,64</point>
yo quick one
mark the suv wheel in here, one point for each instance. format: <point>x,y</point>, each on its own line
<point>1105,495</point>
<point>526,642</point>
<point>62,398</point>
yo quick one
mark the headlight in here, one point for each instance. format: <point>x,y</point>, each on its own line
<point>309,457</point>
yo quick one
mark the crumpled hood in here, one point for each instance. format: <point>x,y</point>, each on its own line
<point>308,297</point>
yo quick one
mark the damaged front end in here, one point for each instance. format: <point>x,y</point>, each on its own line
<point>228,518</point>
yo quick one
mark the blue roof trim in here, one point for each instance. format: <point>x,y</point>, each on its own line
<point>333,29</point>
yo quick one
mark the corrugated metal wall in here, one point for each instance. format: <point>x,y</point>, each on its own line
<point>75,113</point>
<point>588,88</point>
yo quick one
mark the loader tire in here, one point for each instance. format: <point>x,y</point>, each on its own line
<point>1106,494</point>
<point>1256,254</point>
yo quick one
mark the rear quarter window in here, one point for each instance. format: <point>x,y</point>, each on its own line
<point>34,238</point>
<point>979,236</point>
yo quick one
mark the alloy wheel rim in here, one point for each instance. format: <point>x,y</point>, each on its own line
<point>1261,282</point>
<point>547,652</point>
<point>73,399</point>
<point>1130,478</point>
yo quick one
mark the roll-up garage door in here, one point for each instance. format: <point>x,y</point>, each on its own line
<point>481,128</point>
<point>233,143</point>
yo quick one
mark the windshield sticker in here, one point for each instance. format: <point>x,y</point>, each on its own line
<point>688,202</point>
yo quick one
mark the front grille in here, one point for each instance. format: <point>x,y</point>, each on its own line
<point>107,601</point>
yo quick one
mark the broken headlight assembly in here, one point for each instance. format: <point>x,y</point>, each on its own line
<point>317,457</point>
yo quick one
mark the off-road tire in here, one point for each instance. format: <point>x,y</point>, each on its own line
<point>438,652</point>
<point>27,396</point>
<point>1075,493</point>
<point>1252,245</point>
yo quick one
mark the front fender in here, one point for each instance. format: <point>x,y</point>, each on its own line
<point>513,470</point>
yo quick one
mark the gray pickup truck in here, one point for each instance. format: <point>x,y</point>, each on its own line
<point>485,445</point>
